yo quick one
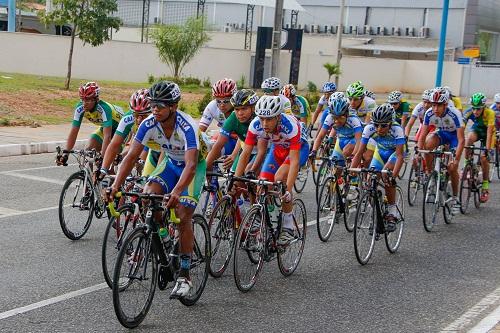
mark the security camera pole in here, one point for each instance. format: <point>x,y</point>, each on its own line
<point>340,30</point>
<point>278,20</point>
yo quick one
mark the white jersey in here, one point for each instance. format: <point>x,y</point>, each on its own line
<point>212,112</point>
<point>449,122</point>
<point>419,112</point>
<point>286,104</point>
<point>367,106</point>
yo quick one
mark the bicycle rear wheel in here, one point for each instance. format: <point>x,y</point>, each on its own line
<point>327,213</point>
<point>222,234</point>
<point>135,277</point>
<point>249,249</point>
<point>477,190</point>
<point>351,202</point>
<point>323,173</point>
<point>117,230</point>
<point>497,160</point>
<point>447,201</point>
<point>200,260</point>
<point>76,208</point>
<point>393,239</point>
<point>289,259</point>
<point>430,205</point>
<point>365,228</point>
<point>301,180</point>
<point>465,188</point>
<point>414,183</point>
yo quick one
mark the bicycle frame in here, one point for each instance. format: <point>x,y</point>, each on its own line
<point>440,159</point>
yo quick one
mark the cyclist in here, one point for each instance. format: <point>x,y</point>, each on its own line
<point>243,102</point>
<point>370,94</point>
<point>496,107</point>
<point>360,104</point>
<point>401,107</point>
<point>271,87</point>
<point>389,154</point>
<point>348,129</point>
<point>328,89</point>
<point>181,173</point>
<point>98,112</point>
<point>450,131</point>
<point>483,129</point>
<point>454,100</point>
<point>300,106</point>
<point>139,110</point>
<point>418,113</point>
<point>289,150</point>
<point>219,110</point>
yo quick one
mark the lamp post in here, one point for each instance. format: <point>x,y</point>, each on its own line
<point>442,42</point>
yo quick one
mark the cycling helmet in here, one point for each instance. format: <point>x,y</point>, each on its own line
<point>288,91</point>
<point>478,100</point>
<point>338,94</point>
<point>224,88</point>
<point>449,90</point>
<point>426,95</point>
<point>394,97</point>
<point>244,97</point>
<point>370,94</point>
<point>166,92</point>
<point>139,102</point>
<point>355,90</point>
<point>329,87</point>
<point>271,83</point>
<point>88,90</point>
<point>383,114</point>
<point>269,106</point>
<point>496,98</point>
<point>440,95</point>
<point>338,106</point>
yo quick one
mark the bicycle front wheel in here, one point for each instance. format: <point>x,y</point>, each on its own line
<point>222,234</point>
<point>365,228</point>
<point>327,213</point>
<point>430,206</point>
<point>135,277</point>
<point>393,239</point>
<point>414,183</point>
<point>351,198</point>
<point>323,172</point>
<point>249,249</point>
<point>76,206</point>
<point>289,257</point>
<point>466,184</point>
<point>301,180</point>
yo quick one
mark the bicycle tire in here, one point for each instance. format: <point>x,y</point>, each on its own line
<point>393,239</point>
<point>497,159</point>
<point>222,231</point>
<point>430,202</point>
<point>241,252</point>
<point>350,207</point>
<point>325,220</point>
<point>323,173</point>
<point>447,207</point>
<point>301,180</point>
<point>130,255</point>
<point>300,230</point>
<point>414,184</point>
<point>361,229</point>
<point>465,189</point>
<point>477,191</point>
<point>403,169</point>
<point>65,225</point>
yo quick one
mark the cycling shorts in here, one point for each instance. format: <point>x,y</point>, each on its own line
<point>381,157</point>
<point>339,148</point>
<point>150,163</point>
<point>277,156</point>
<point>447,138</point>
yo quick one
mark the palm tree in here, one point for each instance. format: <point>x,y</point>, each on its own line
<point>332,69</point>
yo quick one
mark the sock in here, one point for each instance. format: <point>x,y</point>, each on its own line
<point>185,265</point>
<point>486,185</point>
<point>287,221</point>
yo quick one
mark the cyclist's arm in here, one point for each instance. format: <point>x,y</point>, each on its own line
<point>236,149</point>
<point>108,133</point>
<point>421,139</point>
<point>73,134</point>
<point>215,152</point>
<point>206,119</point>
<point>244,159</point>
<point>261,155</point>
<point>128,163</point>
<point>357,137</point>
<point>399,160</point>
<point>461,143</point>
<point>316,113</point>
<point>187,175</point>
<point>112,151</point>
<point>317,142</point>
<point>489,137</point>
<point>356,161</point>
<point>409,126</point>
<point>294,169</point>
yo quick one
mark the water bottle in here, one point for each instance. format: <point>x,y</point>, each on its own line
<point>242,207</point>
<point>273,214</point>
<point>164,236</point>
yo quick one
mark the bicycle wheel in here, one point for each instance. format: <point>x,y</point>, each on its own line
<point>447,199</point>
<point>200,260</point>
<point>135,277</point>
<point>327,213</point>
<point>76,208</point>
<point>116,231</point>
<point>465,188</point>
<point>430,206</point>
<point>364,228</point>
<point>403,168</point>
<point>289,259</point>
<point>478,184</point>
<point>207,202</point>
<point>497,160</point>
<point>351,199</point>
<point>222,234</point>
<point>393,239</point>
<point>323,173</point>
<point>414,183</point>
<point>301,180</point>
<point>249,246</point>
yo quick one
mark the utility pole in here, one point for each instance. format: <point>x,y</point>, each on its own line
<point>340,31</point>
<point>11,24</point>
<point>278,25</point>
<point>442,42</point>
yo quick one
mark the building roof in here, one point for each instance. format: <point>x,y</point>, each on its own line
<point>288,4</point>
<point>395,48</point>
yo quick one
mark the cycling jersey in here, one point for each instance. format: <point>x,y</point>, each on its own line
<point>480,125</point>
<point>352,126</point>
<point>300,107</point>
<point>285,104</point>
<point>419,112</point>
<point>449,122</point>
<point>103,114</point>
<point>457,103</point>
<point>386,145</point>
<point>366,107</point>
<point>402,110</point>
<point>212,112</point>
<point>186,136</point>
<point>497,115</point>
<point>127,125</point>
<point>287,134</point>
<point>323,102</point>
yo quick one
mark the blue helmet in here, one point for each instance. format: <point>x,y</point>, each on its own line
<point>338,106</point>
<point>329,87</point>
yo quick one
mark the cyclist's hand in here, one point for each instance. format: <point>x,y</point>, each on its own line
<point>287,197</point>
<point>490,154</point>
<point>109,194</point>
<point>228,162</point>
<point>312,154</point>
<point>100,174</point>
<point>98,161</point>
<point>173,200</point>
<point>250,174</point>
<point>330,140</point>
<point>62,159</point>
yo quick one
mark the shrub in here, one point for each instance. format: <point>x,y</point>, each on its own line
<point>207,83</point>
<point>192,81</point>
<point>151,79</point>
<point>312,98</point>
<point>311,87</point>
<point>202,104</point>
<point>241,82</point>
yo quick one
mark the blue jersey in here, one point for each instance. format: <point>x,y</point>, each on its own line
<point>394,137</point>
<point>351,126</point>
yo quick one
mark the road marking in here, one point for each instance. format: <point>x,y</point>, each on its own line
<point>28,212</point>
<point>487,323</point>
<point>30,177</point>
<point>8,211</point>
<point>52,300</point>
<point>468,317</point>
<point>31,169</point>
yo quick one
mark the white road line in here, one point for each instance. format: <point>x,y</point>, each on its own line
<point>40,179</point>
<point>487,323</point>
<point>28,212</point>
<point>52,300</point>
<point>8,211</point>
<point>31,169</point>
<point>476,311</point>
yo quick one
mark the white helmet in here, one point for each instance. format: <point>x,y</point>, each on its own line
<point>337,95</point>
<point>394,97</point>
<point>271,83</point>
<point>269,106</point>
<point>496,98</point>
<point>426,95</point>
<point>440,95</point>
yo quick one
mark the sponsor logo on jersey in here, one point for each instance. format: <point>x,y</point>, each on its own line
<point>183,123</point>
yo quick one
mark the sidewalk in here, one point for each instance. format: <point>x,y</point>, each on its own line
<point>45,139</point>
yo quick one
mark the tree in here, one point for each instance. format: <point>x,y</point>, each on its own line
<point>91,20</point>
<point>178,44</point>
<point>332,69</point>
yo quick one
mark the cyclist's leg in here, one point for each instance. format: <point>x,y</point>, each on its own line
<point>432,141</point>
<point>369,152</point>
<point>472,137</point>
<point>390,191</point>
<point>95,140</point>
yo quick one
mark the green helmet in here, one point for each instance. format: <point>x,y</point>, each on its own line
<point>478,100</point>
<point>355,90</point>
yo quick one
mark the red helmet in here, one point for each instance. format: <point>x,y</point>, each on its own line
<point>139,101</point>
<point>289,91</point>
<point>89,89</point>
<point>224,88</point>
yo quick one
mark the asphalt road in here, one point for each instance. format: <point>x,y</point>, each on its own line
<point>430,282</point>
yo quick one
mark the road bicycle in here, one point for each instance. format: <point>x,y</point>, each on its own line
<point>470,184</point>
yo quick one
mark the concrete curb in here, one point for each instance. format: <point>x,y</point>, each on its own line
<point>36,147</point>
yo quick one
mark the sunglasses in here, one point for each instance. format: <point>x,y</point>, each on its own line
<point>338,117</point>
<point>159,105</point>
<point>382,125</point>
<point>222,101</point>
<point>354,99</point>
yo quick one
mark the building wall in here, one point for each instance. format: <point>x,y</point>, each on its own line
<point>483,79</point>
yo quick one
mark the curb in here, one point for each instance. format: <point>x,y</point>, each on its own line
<point>36,147</point>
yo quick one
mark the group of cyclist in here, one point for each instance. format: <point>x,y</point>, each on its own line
<point>267,137</point>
